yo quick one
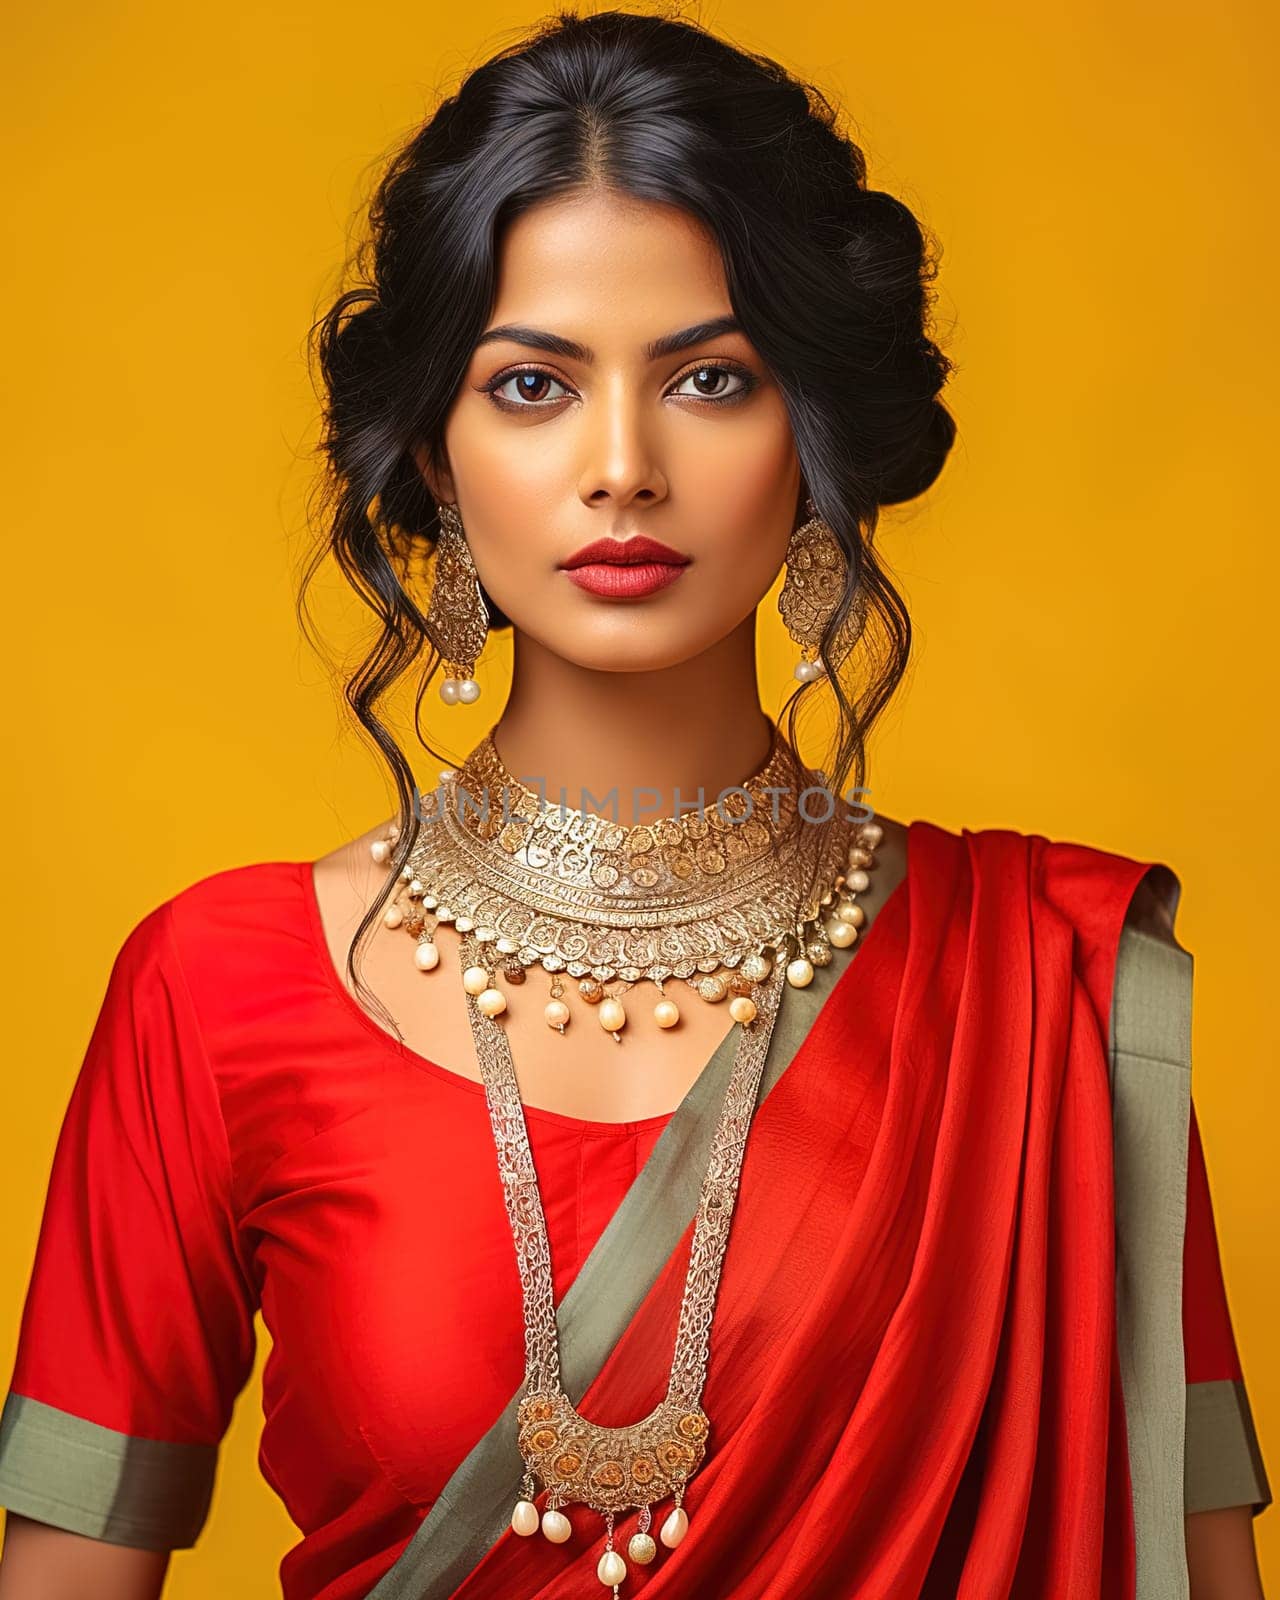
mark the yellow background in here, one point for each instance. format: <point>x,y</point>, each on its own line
<point>1093,583</point>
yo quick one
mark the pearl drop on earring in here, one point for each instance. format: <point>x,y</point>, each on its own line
<point>809,668</point>
<point>459,691</point>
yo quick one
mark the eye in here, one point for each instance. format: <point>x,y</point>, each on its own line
<point>710,372</point>
<point>528,396</point>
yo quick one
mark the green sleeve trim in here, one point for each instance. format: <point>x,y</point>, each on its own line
<point>1223,1458</point>
<point>61,1469</point>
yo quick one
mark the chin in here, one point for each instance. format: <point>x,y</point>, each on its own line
<point>638,654</point>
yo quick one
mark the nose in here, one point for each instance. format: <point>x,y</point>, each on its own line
<point>620,462</point>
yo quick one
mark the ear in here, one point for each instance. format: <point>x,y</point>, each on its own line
<point>439,481</point>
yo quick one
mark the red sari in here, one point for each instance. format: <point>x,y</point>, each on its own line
<point>913,1385</point>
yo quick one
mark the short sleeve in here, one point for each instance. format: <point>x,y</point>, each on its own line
<point>137,1329</point>
<point>1224,1464</point>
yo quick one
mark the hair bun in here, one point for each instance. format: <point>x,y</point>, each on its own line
<point>922,457</point>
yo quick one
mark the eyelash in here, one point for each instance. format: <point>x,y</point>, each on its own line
<point>748,379</point>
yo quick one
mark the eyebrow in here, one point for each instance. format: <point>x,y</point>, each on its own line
<point>555,344</point>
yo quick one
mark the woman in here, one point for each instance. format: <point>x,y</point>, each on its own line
<point>635,334</point>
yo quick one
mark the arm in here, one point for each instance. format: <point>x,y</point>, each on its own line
<point>1221,1559</point>
<point>137,1329</point>
<point>39,1562</point>
<point>1225,1481</point>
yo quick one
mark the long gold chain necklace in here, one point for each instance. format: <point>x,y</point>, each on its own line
<point>724,906</point>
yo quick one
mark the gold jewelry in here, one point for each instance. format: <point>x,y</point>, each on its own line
<point>674,898</point>
<point>457,620</point>
<point>707,898</point>
<point>613,1469</point>
<point>817,571</point>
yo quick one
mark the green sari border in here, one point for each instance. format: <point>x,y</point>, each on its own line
<point>1150,1068</point>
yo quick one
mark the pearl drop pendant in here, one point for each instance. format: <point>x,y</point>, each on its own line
<point>612,1016</point>
<point>556,1526</point>
<point>491,1002</point>
<point>612,1568</point>
<point>799,973</point>
<point>524,1519</point>
<point>675,1528</point>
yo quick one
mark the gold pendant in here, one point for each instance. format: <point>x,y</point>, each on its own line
<point>610,1469</point>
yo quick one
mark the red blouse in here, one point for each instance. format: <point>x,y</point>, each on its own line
<point>242,1135</point>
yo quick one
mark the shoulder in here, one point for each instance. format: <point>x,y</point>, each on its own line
<point>234,925</point>
<point>1155,904</point>
<point>233,903</point>
<point>1081,879</point>
<point>251,924</point>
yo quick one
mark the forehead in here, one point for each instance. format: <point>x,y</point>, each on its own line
<point>611,261</point>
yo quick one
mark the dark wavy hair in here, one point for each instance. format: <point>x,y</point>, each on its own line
<point>831,281</point>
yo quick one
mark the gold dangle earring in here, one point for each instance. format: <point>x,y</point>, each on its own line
<point>457,619</point>
<point>817,571</point>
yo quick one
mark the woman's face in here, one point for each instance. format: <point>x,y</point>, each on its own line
<point>550,447</point>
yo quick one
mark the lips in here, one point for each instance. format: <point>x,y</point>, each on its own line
<point>625,553</point>
<point>625,569</point>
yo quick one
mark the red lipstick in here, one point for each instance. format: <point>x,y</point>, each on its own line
<point>624,569</point>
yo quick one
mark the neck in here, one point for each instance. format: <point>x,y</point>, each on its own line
<point>645,735</point>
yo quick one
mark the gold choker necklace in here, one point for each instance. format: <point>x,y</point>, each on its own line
<point>709,898</point>
<point>678,898</point>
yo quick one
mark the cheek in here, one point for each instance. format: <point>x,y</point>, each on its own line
<point>514,496</point>
<point>745,489</point>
